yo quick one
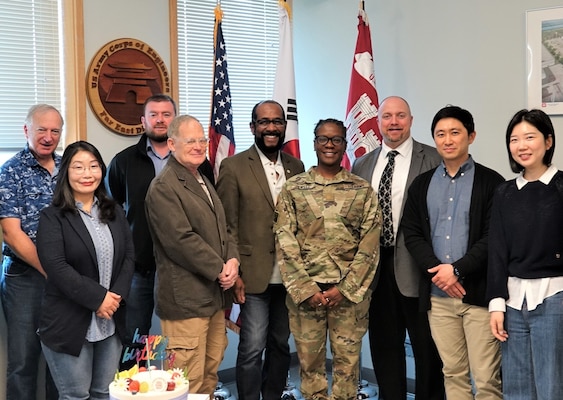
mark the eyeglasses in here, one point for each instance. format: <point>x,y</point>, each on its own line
<point>336,140</point>
<point>81,169</point>
<point>192,142</point>
<point>264,122</point>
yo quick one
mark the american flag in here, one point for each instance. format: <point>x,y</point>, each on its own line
<point>221,132</point>
<point>361,111</point>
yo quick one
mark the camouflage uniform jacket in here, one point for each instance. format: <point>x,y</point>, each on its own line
<point>327,232</point>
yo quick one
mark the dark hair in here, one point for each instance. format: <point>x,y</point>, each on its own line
<point>159,98</point>
<point>336,122</point>
<point>542,123</point>
<point>63,197</point>
<point>456,112</point>
<point>254,116</point>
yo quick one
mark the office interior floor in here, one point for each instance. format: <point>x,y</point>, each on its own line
<point>367,391</point>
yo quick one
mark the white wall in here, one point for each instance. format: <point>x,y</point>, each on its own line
<point>432,53</point>
<point>107,20</point>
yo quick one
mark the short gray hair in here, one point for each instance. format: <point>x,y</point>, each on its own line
<point>174,127</point>
<point>39,109</point>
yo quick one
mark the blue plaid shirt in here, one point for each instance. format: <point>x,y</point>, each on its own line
<point>26,188</point>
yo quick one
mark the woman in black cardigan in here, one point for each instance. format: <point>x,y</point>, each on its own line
<point>84,244</point>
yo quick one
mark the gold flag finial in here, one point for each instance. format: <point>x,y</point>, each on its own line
<point>285,4</point>
<point>218,18</point>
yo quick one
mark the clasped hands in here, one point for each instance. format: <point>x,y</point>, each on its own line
<point>229,274</point>
<point>446,280</point>
<point>109,306</point>
<point>327,298</point>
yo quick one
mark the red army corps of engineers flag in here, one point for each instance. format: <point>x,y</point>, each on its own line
<point>361,111</point>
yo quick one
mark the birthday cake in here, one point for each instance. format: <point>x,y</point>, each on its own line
<point>149,383</point>
<point>155,384</point>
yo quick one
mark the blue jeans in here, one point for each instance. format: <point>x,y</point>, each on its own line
<point>140,306</point>
<point>264,326</point>
<point>532,357</point>
<point>87,376</point>
<point>21,290</point>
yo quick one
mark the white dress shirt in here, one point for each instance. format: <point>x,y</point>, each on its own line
<point>400,175</point>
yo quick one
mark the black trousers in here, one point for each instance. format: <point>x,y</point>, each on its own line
<point>391,316</point>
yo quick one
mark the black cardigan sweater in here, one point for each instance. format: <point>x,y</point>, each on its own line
<point>416,226</point>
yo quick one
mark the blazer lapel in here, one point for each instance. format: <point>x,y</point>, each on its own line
<point>415,167</point>
<point>416,162</point>
<point>368,166</point>
<point>75,221</point>
<point>257,169</point>
<point>189,181</point>
<point>287,166</point>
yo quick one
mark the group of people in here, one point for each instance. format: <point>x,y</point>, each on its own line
<point>472,267</point>
<point>414,240</point>
<point>59,223</point>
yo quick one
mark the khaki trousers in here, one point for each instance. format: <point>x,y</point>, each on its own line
<point>197,344</point>
<point>467,348</point>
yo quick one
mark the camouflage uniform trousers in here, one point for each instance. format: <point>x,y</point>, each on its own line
<point>346,324</point>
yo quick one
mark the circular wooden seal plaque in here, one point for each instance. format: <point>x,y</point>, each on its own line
<point>121,76</point>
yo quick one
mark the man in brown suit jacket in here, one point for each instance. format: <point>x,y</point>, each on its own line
<point>248,185</point>
<point>196,257</point>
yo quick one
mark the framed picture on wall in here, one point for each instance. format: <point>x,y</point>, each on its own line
<point>544,59</point>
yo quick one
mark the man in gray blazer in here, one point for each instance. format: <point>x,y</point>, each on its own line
<point>394,305</point>
<point>248,185</point>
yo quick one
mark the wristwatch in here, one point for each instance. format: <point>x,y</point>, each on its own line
<point>456,271</point>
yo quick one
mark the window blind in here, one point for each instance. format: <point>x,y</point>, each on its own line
<point>30,67</point>
<point>251,33</point>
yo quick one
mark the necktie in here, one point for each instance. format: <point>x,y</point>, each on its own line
<point>385,200</point>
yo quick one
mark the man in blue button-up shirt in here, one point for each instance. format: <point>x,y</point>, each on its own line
<point>27,182</point>
<point>446,223</point>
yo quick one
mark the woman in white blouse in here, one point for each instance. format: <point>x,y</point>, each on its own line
<point>525,276</point>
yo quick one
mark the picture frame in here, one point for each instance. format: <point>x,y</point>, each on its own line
<point>544,59</point>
